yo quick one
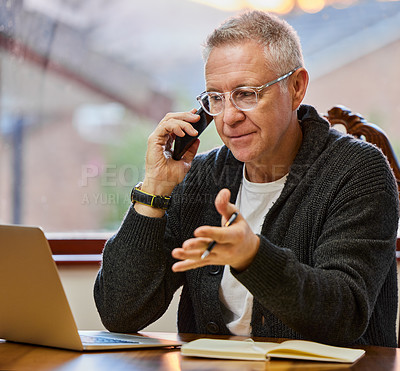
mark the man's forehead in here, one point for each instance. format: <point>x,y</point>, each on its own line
<point>236,65</point>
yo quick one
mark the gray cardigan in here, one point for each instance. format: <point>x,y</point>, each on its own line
<point>326,266</point>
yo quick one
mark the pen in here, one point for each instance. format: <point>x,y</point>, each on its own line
<point>213,243</point>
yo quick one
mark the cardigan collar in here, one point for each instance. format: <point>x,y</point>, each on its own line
<point>315,136</point>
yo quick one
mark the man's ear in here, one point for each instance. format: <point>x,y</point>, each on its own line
<point>298,86</point>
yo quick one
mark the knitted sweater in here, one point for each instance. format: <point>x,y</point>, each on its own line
<point>326,266</point>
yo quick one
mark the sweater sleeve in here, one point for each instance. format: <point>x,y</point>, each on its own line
<point>135,283</point>
<point>351,246</point>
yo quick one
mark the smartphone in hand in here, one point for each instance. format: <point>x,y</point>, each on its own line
<point>182,144</point>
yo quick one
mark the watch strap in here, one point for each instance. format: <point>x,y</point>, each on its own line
<point>142,197</point>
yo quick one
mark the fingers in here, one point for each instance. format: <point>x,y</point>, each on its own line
<point>161,170</point>
<point>178,124</point>
<point>191,251</point>
<point>228,235</point>
<point>236,246</point>
<point>189,254</point>
<point>186,265</point>
<point>223,204</point>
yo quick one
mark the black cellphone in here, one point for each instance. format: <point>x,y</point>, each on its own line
<point>182,144</point>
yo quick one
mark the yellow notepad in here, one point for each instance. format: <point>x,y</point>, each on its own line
<point>261,351</point>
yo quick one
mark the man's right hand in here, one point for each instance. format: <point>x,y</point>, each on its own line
<point>163,173</point>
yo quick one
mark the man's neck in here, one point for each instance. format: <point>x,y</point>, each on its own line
<point>277,167</point>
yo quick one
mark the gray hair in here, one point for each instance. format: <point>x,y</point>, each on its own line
<point>280,41</point>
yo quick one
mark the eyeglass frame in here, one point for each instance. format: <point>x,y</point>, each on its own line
<point>257,90</point>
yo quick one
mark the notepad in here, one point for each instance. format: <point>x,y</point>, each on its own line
<point>261,351</point>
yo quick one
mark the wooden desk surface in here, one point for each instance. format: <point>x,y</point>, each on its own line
<point>20,357</point>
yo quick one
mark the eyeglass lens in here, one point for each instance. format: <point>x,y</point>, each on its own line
<point>243,98</point>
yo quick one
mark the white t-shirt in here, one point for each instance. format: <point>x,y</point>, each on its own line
<point>253,201</point>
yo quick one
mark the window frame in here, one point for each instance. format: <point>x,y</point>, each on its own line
<point>86,249</point>
<point>77,248</point>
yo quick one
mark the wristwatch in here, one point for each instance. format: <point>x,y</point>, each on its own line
<point>158,202</point>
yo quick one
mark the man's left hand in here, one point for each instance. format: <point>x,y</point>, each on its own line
<point>236,245</point>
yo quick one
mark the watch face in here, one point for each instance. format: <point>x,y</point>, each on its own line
<point>138,186</point>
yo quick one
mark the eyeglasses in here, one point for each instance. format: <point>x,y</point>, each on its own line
<point>244,98</point>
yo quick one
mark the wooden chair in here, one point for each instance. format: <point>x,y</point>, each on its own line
<point>356,125</point>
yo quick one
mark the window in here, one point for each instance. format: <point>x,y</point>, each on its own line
<point>83,83</point>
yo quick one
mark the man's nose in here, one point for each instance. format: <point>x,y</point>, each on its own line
<point>231,113</point>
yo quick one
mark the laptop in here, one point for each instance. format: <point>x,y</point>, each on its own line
<point>33,305</point>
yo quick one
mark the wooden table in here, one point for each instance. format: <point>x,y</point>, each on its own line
<point>28,357</point>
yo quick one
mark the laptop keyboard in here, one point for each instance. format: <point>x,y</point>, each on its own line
<point>104,340</point>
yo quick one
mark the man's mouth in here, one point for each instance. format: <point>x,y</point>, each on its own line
<point>239,136</point>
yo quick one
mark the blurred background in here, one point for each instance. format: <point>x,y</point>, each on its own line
<point>83,83</point>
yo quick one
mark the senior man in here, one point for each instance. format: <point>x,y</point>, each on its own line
<point>311,254</point>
